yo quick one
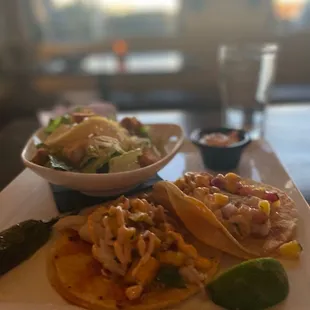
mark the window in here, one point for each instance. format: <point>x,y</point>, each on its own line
<point>293,15</point>
<point>78,35</point>
<point>153,62</point>
<point>86,21</point>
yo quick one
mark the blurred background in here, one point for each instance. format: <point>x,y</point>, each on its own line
<point>137,54</point>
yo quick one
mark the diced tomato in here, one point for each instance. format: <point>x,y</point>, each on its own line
<point>270,196</point>
<point>218,182</point>
<point>245,190</point>
<point>249,190</point>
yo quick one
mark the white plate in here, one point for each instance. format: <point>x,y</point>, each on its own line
<point>107,184</point>
<point>26,287</point>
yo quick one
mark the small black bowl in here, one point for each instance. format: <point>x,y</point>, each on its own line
<point>221,158</point>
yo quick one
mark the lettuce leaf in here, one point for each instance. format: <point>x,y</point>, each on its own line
<point>125,162</point>
<point>96,163</point>
<point>57,164</point>
<point>41,146</point>
<point>55,123</point>
<point>144,131</point>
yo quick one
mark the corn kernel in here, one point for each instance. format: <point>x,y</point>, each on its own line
<point>202,263</point>
<point>129,278</point>
<point>221,199</point>
<point>146,273</point>
<point>264,205</point>
<point>276,204</point>
<point>172,258</point>
<point>187,249</point>
<point>134,292</point>
<point>230,176</point>
<point>290,249</point>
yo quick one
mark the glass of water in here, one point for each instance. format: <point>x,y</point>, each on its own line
<point>246,75</point>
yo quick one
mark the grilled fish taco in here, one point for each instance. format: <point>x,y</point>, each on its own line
<point>238,216</point>
<point>128,254</point>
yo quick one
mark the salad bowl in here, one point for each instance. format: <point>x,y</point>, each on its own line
<point>168,138</point>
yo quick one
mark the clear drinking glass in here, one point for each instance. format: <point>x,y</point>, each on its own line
<point>246,75</point>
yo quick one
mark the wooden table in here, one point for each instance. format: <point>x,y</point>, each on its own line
<point>286,130</point>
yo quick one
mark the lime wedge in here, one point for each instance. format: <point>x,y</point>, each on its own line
<point>252,285</point>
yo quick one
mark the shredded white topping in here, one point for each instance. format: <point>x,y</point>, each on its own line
<point>128,239</point>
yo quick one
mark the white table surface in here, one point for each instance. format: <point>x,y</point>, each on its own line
<point>28,196</point>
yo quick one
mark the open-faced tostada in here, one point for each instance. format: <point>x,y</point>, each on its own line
<point>127,254</point>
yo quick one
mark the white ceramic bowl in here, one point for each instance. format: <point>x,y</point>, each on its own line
<point>167,137</point>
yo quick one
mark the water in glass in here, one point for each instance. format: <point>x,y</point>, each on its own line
<point>246,75</point>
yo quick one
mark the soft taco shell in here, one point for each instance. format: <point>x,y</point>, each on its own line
<point>204,225</point>
<point>77,277</point>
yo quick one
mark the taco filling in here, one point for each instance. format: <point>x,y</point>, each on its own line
<point>247,216</point>
<point>136,246</point>
<point>256,217</point>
